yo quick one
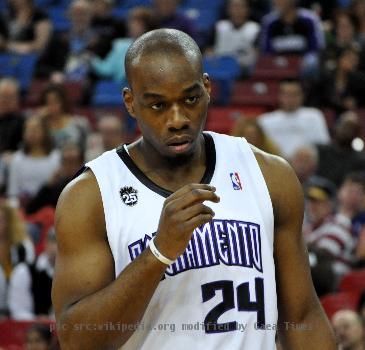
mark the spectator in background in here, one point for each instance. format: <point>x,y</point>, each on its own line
<point>140,20</point>
<point>357,9</point>
<point>339,158</point>
<point>105,26</point>
<point>252,131</point>
<point>351,202</point>
<point>26,29</point>
<point>66,53</point>
<point>81,37</point>
<point>290,30</point>
<point>38,337</point>
<point>11,119</point>
<point>33,165</point>
<point>293,126</point>
<point>110,134</point>
<point>349,330</point>
<point>72,159</point>
<point>304,162</point>
<point>236,35</point>
<point>15,247</point>
<point>342,88</point>
<point>344,35</point>
<point>29,292</point>
<point>326,232</point>
<point>64,126</point>
<point>168,17</point>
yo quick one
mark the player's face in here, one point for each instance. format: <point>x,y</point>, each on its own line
<point>169,99</point>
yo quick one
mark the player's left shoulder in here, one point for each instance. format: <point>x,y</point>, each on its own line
<point>281,180</point>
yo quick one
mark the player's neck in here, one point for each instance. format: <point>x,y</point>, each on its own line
<point>168,174</point>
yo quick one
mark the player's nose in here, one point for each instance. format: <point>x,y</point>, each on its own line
<point>177,118</point>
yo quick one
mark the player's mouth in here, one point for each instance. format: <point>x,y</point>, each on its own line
<point>180,147</point>
<point>179,144</point>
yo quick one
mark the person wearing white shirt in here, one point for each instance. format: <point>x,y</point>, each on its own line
<point>293,126</point>
<point>236,35</point>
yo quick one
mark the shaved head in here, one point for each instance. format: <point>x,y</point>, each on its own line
<point>162,43</point>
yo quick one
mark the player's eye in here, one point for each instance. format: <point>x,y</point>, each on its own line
<point>157,106</point>
<point>191,100</point>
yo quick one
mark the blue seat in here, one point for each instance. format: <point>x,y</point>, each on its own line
<point>107,93</point>
<point>59,18</point>
<point>122,7</point>
<point>44,4</point>
<point>224,70</point>
<point>204,4</point>
<point>133,3</point>
<point>20,67</point>
<point>120,12</point>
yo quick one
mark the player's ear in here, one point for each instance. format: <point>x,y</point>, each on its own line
<point>128,101</point>
<point>207,83</point>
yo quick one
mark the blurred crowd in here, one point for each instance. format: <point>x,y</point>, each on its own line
<point>45,140</point>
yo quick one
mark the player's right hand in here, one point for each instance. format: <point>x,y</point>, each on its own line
<point>182,212</point>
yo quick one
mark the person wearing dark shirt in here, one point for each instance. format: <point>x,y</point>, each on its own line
<point>72,159</point>
<point>168,17</point>
<point>66,52</point>
<point>105,26</point>
<point>342,35</point>
<point>25,29</point>
<point>339,158</point>
<point>290,30</point>
<point>11,120</point>
<point>341,88</point>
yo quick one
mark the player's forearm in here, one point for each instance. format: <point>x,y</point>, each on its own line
<point>313,331</point>
<point>89,323</point>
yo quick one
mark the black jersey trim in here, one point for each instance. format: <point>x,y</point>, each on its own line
<point>207,177</point>
<point>80,171</point>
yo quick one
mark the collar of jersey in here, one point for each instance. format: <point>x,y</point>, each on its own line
<point>208,174</point>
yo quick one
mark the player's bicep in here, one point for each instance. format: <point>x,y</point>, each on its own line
<point>296,295</point>
<point>84,263</point>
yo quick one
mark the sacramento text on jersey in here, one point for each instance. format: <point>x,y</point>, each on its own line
<point>228,242</point>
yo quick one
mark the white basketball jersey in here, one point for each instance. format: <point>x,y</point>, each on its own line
<point>221,293</point>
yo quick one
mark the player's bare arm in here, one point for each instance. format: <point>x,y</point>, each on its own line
<point>85,292</point>
<point>302,322</point>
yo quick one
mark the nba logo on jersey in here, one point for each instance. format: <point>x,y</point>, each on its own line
<point>236,182</point>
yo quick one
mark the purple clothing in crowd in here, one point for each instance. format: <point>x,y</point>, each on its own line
<point>302,36</point>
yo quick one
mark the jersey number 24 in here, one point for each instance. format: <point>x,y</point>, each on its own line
<point>244,303</point>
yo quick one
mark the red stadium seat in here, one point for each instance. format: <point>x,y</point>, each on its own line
<point>221,119</point>
<point>252,92</point>
<point>330,116</point>
<point>277,67</point>
<point>74,91</point>
<point>353,281</point>
<point>33,96</point>
<point>340,301</point>
<point>12,333</point>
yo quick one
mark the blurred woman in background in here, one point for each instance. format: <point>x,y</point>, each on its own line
<point>64,126</point>
<point>26,29</point>
<point>15,246</point>
<point>140,20</point>
<point>38,337</point>
<point>251,130</point>
<point>33,165</point>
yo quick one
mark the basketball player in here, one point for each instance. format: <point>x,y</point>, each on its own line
<point>183,239</point>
